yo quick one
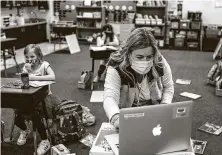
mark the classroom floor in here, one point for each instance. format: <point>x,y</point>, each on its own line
<point>184,64</point>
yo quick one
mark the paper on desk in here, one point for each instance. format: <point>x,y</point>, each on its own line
<point>190,95</point>
<point>40,83</point>
<point>113,141</point>
<point>183,81</point>
<point>102,48</point>
<point>110,47</point>
<point>97,96</point>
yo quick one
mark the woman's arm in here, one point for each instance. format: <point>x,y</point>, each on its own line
<point>111,92</point>
<point>115,41</point>
<point>50,76</point>
<point>168,85</point>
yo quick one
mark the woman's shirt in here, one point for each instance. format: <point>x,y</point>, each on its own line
<point>113,86</point>
<point>142,90</point>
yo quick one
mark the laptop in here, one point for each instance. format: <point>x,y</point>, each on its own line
<point>156,129</point>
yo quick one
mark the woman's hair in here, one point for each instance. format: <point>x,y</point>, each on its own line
<point>36,49</point>
<point>139,38</point>
<point>109,28</point>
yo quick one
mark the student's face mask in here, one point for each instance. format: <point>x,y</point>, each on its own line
<point>32,61</point>
<point>141,67</point>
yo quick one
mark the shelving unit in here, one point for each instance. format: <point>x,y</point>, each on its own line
<point>180,40</point>
<point>87,26</point>
<point>154,10</point>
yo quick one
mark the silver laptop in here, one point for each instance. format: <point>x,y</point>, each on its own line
<point>156,129</point>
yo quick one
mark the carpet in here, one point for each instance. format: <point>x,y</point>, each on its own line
<point>184,64</point>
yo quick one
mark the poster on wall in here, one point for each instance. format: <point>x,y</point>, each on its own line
<point>218,3</point>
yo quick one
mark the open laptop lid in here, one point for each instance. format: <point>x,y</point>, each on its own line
<point>155,129</point>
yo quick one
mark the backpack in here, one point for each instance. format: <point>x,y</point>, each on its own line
<point>68,124</point>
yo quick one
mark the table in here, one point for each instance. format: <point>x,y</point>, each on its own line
<point>100,54</point>
<point>9,43</point>
<point>61,31</point>
<point>26,99</point>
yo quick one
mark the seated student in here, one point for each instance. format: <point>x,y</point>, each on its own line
<point>139,66</point>
<point>110,39</point>
<point>215,73</point>
<point>38,70</point>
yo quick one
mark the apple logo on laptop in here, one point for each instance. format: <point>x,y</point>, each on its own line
<point>157,130</point>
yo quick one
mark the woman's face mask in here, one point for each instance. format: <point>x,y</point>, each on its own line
<point>141,67</point>
<point>141,60</point>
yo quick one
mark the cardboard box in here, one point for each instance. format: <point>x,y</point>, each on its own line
<point>219,89</point>
<point>106,129</point>
<point>59,150</point>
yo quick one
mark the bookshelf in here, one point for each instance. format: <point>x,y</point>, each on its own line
<point>153,14</point>
<point>90,20</point>
<point>185,36</point>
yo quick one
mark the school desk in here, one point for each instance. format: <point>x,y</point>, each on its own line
<point>99,54</point>
<point>25,99</point>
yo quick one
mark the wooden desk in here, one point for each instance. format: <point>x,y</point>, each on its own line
<point>62,31</point>
<point>99,55</point>
<point>9,43</point>
<point>26,99</point>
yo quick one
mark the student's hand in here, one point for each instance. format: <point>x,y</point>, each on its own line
<point>28,67</point>
<point>103,34</point>
<point>49,123</point>
<point>115,121</point>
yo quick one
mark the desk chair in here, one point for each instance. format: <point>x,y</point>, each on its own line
<point>60,33</point>
<point>6,44</point>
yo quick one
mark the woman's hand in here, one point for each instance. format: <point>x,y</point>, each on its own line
<point>115,121</point>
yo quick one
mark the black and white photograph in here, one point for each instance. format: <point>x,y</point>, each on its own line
<point>111,77</point>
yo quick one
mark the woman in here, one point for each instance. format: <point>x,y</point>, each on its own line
<point>108,38</point>
<point>140,72</point>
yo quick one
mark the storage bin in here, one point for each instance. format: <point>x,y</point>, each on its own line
<point>195,25</point>
<point>192,44</point>
<point>212,33</point>
<point>175,25</point>
<point>140,21</point>
<point>96,14</point>
<point>219,88</point>
<point>192,35</point>
<point>184,24</point>
<point>147,21</point>
<point>179,42</point>
<point>153,22</point>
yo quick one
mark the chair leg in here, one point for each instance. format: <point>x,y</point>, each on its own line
<point>17,66</point>
<point>4,57</point>
<point>35,141</point>
<point>12,126</point>
<point>2,130</point>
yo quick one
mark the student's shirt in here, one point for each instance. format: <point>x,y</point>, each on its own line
<point>101,42</point>
<point>40,71</point>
